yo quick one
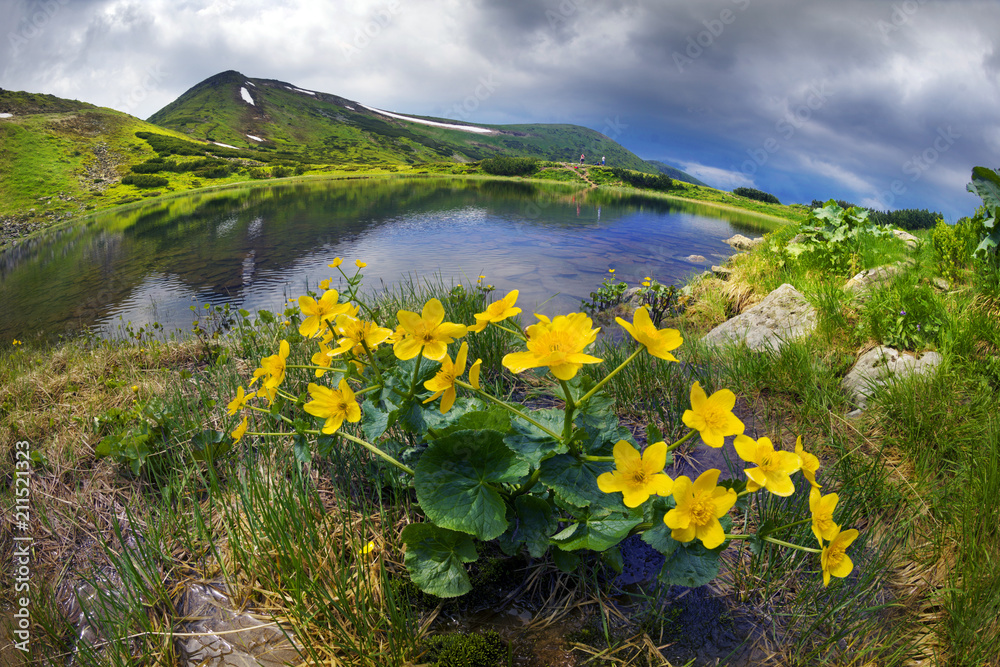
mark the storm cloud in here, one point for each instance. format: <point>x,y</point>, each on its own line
<point>888,104</point>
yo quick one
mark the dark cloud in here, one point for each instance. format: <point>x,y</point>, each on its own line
<point>805,99</point>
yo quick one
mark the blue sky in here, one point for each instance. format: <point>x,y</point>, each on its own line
<point>888,104</point>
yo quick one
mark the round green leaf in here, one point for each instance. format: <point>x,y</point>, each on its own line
<point>456,477</point>
<point>436,557</point>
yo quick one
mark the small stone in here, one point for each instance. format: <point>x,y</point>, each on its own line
<point>882,364</point>
<point>722,272</point>
<point>783,315</point>
<point>909,239</point>
<point>740,242</point>
<point>695,259</point>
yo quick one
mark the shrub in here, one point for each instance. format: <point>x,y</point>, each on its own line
<point>281,172</point>
<point>637,179</point>
<point>953,247</point>
<point>757,195</point>
<point>144,180</point>
<point>906,316</point>
<point>831,237</point>
<point>509,166</point>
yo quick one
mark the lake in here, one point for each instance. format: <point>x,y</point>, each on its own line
<point>255,247</point>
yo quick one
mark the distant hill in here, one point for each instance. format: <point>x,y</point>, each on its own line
<point>267,114</point>
<point>677,174</point>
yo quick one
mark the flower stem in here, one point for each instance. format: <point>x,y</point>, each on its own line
<point>790,525</point>
<point>378,452</point>
<point>416,370</point>
<point>512,331</point>
<point>681,441</point>
<point>569,413</point>
<point>535,476</point>
<point>371,358</point>
<point>586,397</point>
<point>509,408</point>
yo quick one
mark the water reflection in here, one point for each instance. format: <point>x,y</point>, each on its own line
<point>251,247</point>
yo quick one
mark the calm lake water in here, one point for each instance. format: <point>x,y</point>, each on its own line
<point>255,247</point>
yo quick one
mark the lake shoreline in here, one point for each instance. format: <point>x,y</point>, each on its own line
<point>18,227</point>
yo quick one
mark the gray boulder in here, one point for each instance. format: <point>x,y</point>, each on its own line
<point>695,259</point>
<point>865,281</point>
<point>910,240</point>
<point>881,365</point>
<point>740,242</point>
<point>783,315</point>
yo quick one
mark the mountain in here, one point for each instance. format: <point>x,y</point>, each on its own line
<point>267,114</point>
<point>677,174</point>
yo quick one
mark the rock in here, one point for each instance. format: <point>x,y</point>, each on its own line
<point>695,259</point>
<point>740,242</point>
<point>941,284</point>
<point>909,239</point>
<point>783,315</point>
<point>228,638</point>
<point>869,278</point>
<point>879,366</point>
<point>721,272</point>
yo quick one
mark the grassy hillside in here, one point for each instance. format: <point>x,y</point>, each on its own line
<point>677,174</point>
<point>325,128</point>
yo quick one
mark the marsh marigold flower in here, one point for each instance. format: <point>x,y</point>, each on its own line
<point>337,261</point>
<point>272,369</point>
<point>427,332</point>
<point>443,384</point>
<point>358,263</point>
<point>334,405</point>
<point>239,431</point>
<point>637,476</point>
<point>822,508</point>
<point>700,505</point>
<point>235,405</point>
<point>834,559</point>
<point>658,342</point>
<point>712,416</point>
<point>773,467</point>
<point>558,344</point>
<point>810,463</point>
<point>497,311</point>
<point>353,331</point>
<point>320,312</point>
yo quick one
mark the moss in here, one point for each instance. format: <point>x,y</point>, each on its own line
<point>474,649</point>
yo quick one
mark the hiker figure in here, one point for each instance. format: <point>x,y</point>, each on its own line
<point>581,158</point>
<point>602,160</point>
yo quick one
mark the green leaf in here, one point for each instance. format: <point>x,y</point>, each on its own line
<point>535,522</point>
<point>597,535</point>
<point>600,422</point>
<point>208,445</point>
<point>567,562</point>
<point>613,558</point>
<point>436,557</point>
<point>455,481</point>
<point>576,481</point>
<point>653,434</point>
<point>374,421</point>
<point>691,565</point>
<point>300,446</point>
<point>658,536</point>
<point>533,444</point>
<point>986,184</point>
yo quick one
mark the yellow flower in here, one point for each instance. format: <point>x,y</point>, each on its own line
<point>353,331</point>
<point>16,342</point>
<point>558,344</point>
<point>358,263</point>
<point>637,476</point>
<point>658,342</point>
<point>810,463</point>
<point>773,467</point>
<point>336,262</point>
<point>443,384</point>
<point>272,369</point>
<point>700,505</point>
<point>833,559</point>
<point>319,312</point>
<point>822,508</point>
<point>236,404</point>
<point>427,332</point>
<point>474,374</point>
<point>334,405</point>
<point>497,311</point>
<point>611,270</point>
<point>645,283</point>
<point>369,550</point>
<point>239,431</point>
<point>135,388</point>
<point>322,358</point>
<point>324,284</point>
<point>712,416</point>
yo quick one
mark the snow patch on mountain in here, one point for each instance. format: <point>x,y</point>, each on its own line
<point>246,96</point>
<point>255,138</point>
<point>450,126</point>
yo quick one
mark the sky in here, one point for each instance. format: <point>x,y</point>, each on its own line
<point>884,103</point>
